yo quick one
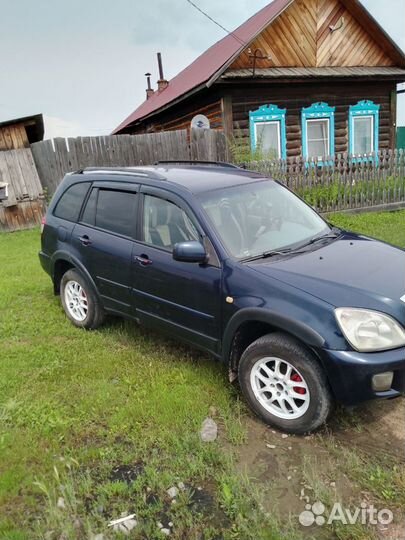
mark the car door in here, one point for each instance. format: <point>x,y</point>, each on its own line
<point>180,297</point>
<point>103,239</point>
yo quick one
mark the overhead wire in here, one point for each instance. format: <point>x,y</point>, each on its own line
<point>229,32</point>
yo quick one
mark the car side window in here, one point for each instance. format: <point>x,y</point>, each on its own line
<point>69,205</point>
<point>89,212</point>
<point>115,211</point>
<point>165,224</point>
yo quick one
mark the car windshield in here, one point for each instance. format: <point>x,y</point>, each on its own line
<point>261,217</point>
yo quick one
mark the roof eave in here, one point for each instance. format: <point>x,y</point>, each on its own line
<point>308,80</point>
<point>161,109</point>
<point>277,75</point>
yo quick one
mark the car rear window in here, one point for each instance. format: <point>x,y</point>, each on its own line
<point>69,205</point>
<point>116,211</point>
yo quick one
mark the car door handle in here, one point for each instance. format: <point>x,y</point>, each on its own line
<point>143,260</point>
<point>85,240</point>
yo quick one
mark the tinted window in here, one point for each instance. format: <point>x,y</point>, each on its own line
<point>89,214</point>
<point>165,224</point>
<point>116,211</point>
<point>71,201</point>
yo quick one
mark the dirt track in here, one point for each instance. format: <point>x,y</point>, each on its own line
<point>293,471</point>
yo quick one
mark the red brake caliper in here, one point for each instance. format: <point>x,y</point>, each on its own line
<point>298,389</point>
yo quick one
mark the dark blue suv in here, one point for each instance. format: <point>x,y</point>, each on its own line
<point>302,313</point>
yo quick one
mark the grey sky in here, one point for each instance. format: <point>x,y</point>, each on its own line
<point>82,62</point>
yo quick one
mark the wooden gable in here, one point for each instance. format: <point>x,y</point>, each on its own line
<point>315,33</point>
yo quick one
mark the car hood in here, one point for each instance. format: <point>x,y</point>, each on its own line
<point>351,271</point>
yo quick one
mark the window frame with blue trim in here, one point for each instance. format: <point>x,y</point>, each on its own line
<point>364,109</point>
<point>269,114</point>
<point>318,111</point>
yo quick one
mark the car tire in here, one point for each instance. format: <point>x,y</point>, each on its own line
<point>284,384</point>
<point>80,301</point>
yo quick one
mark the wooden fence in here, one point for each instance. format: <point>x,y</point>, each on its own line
<point>342,182</point>
<point>25,205</point>
<point>55,158</point>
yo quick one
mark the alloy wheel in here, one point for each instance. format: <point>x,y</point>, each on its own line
<point>76,301</point>
<point>280,388</point>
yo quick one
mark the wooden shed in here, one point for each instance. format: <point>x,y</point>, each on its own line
<point>21,195</point>
<point>21,132</point>
<point>300,78</point>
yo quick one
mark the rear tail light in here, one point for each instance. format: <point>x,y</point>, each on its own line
<point>43,223</point>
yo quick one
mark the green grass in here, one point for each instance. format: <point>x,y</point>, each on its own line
<point>75,405</point>
<point>119,396</point>
<point>388,226</point>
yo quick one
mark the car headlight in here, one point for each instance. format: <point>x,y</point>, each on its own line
<point>370,331</point>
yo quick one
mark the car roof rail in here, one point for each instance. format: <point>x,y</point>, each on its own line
<point>122,171</point>
<point>196,162</point>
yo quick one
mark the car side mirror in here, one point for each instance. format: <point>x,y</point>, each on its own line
<point>193,252</point>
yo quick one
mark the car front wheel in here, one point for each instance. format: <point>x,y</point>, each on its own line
<point>284,384</point>
<point>79,301</point>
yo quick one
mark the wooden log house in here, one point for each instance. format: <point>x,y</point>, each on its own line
<point>308,78</point>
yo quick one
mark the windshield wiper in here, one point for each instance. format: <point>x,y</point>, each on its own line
<point>334,233</point>
<point>268,254</point>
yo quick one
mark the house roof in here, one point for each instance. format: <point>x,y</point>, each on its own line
<point>205,66</point>
<point>210,65</point>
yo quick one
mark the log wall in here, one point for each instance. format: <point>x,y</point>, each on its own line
<point>179,116</point>
<point>294,97</point>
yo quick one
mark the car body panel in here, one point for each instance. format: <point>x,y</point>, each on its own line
<point>206,304</point>
<point>180,296</point>
<point>108,260</point>
<point>352,271</point>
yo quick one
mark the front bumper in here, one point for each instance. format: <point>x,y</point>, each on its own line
<point>350,374</point>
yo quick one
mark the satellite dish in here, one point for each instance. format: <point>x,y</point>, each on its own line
<point>200,121</point>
